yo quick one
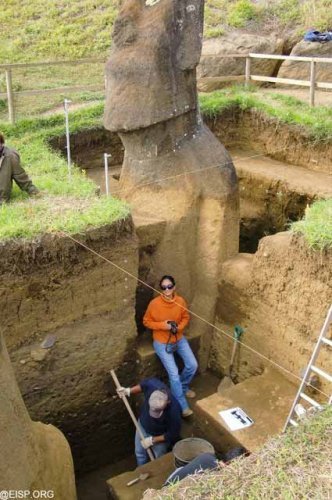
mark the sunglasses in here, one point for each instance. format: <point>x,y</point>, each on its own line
<point>167,287</point>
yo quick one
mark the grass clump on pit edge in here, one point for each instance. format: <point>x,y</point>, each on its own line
<point>294,465</point>
<point>70,206</point>
<point>316,121</point>
<point>316,226</point>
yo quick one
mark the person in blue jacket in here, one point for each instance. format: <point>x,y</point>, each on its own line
<point>160,418</point>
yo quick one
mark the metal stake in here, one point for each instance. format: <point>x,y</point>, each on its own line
<point>65,103</point>
<point>106,157</point>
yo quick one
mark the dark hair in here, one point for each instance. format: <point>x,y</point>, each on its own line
<point>2,138</point>
<point>167,277</point>
<point>233,453</point>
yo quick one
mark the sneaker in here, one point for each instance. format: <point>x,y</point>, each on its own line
<point>190,394</point>
<point>187,413</point>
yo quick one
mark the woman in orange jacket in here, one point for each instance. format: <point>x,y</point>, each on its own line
<point>167,316</point>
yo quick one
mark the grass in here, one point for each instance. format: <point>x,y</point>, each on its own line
<point>57,30</point>
<point>295,465</point>
<point>317,121</point>
<point>240,12</point>
<point>316,225</point>
<point>66,205</point>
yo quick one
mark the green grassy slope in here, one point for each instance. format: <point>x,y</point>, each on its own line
<point>65,204</point>
<point>56,29</point>
<point>44,30</point>
<point>296,465</point>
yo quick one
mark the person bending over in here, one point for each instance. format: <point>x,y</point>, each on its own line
<point>167,316</point>
<point>10,169</point>
<point>160,418</point>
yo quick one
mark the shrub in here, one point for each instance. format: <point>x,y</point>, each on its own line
<point>240,12</point>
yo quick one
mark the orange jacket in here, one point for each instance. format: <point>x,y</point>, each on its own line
<point>160,310</point>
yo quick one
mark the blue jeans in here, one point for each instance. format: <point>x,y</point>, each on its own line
<point>179,382</point>
<point>142,457</point>
<point>204,461</point>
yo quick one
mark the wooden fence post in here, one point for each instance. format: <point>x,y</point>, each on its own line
<point>312,82</point>
<point>10,97</point>
<point>247,76</point>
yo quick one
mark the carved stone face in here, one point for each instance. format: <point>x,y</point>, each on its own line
<point>151,72</point>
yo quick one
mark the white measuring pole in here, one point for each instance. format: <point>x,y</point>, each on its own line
<point>107,186</point>
<point>65,104</point>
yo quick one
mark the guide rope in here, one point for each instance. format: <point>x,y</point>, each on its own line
<point>219,331</point>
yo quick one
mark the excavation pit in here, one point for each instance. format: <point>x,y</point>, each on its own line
<point>278,175</point>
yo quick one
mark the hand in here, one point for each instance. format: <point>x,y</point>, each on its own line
<point>147,442</point>
<point>168,325</point>
<point>123,391</point>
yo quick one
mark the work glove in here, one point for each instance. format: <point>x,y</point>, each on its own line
<point>123,391</point>
<point>147,442</point>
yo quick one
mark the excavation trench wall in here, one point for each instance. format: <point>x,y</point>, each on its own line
<point>252,129</point>
<point>55,287</point>
<point>281,295</point>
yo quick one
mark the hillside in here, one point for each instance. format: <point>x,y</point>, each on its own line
<point>55,29</point>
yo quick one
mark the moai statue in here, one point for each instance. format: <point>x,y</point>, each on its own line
<point>177,177</point>
<point>34,457</point>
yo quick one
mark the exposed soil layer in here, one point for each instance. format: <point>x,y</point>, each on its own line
<point>54,286</point>
<point>281,295</point>
<point>273,194</point>
<point>88,148</point>
<point>254,130</point>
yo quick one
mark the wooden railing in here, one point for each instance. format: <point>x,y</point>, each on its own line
<point>10,94</point>
<point>312,83</point>
<point>248,77</point>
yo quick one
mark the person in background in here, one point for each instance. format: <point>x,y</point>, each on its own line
<point>167,316</point>
<point>160,418</point>
<point>10,169</point>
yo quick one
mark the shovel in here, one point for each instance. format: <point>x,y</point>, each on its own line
<point>227,381</point>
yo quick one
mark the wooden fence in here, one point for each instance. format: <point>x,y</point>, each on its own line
<point>10,94</point>
<point>312,83</point>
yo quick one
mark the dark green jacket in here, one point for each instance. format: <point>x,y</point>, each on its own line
<point>10,169</point>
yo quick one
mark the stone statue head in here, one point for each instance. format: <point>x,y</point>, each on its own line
<point>151,73</point>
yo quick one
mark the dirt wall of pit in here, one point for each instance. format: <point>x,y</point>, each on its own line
<point>281,295</point>
<point>235,128</point>
<point>243,129</point>
<point>55,287</point>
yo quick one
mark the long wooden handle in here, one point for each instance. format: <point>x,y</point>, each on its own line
<point>131,413</point>
<point>230,368</point>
